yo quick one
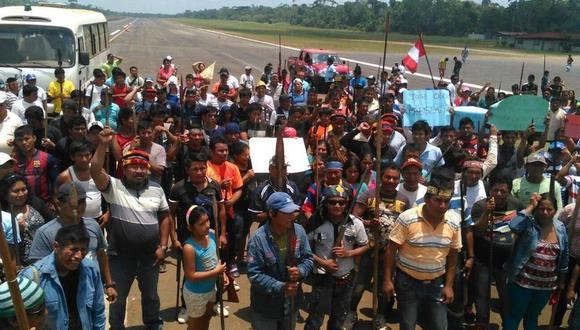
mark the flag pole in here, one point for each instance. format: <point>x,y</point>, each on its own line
<point>522,76</point>
<point>427,59</point>
<point>387,26</point>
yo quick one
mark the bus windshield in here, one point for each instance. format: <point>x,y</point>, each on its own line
<point>36,46</point>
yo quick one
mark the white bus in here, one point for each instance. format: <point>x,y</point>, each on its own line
<point>39,39</point>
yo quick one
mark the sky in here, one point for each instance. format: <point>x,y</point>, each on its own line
<point>179,6</point>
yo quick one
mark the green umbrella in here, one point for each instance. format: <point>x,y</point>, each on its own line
<point>516,113</point>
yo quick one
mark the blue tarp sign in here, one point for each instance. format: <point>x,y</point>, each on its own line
<point>477,115</point>
<point>429,105</point>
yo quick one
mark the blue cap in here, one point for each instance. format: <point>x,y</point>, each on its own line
<point>557,145</point>
<point>232,128</point>
<point>30,76</point>
<point>281,201</point>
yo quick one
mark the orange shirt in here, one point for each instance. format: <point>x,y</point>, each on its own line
<point>226,171</point>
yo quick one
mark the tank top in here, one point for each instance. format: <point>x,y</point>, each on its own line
<point>119,100</point>
<point>93,209</point>
<point>205,259</point>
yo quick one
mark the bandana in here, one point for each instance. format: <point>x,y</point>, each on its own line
<point>473,164</point>
<point>334,165</point>
<point>136,157</point>
<point>447,193</point>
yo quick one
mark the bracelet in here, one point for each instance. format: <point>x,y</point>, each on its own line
<point>110,285</point>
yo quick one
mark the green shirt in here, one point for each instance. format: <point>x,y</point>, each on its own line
<point>108,68</point>
<point>523,189</point>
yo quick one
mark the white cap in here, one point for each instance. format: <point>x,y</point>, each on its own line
<point>247,67</point>
<point>5,158</point>
<point>169,58</point>
<point>172,80</point>
<point>2,97</point>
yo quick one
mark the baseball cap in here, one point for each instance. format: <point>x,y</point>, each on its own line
<point>32,297</point>
<point>281,201</point>
<point>247,67</point>
<point>261,84</point>
<point>224,71</point>
<point>285,97</point>
<point>412,162</point>
<point>65,190</point>
<point>536,158</point>
<point>2,97</point>
<point>169,58</point>
<point>5,158</point>
<point>556,145</point>
<point>149,79</point>
<point>96,124</point>
<point>30,76</point>
<point>232,128</point>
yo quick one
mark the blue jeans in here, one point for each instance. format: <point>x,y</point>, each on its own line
<point>414,295</point>
<point>340,295</point>
<point>124,269</point>
<point>235,229</point>
<point>526,304</point>
<point>480,279</point>
<point>260,322</point>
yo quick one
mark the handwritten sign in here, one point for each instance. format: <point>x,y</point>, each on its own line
<point>572,127</point>
<point>429,105</point>
<point>263,149</point>
<point>476,114</point>
<point>516,113</point>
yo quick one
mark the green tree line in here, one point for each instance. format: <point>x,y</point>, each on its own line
<point>440,17</point>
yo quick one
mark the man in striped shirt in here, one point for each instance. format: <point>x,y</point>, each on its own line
<point>423,245</point>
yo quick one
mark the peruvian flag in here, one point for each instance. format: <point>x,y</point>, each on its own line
<point>411,61</point>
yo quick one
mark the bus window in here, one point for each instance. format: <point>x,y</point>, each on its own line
<point>88,40</point>
<point>100,36</point>
<point>106,35</point>
<point>36,46</point>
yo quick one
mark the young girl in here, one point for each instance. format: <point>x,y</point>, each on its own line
<point>539,261</point>
<point>201,267</point>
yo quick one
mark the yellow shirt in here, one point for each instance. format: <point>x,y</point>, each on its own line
<point>423,249</point>
<point>54,89</point>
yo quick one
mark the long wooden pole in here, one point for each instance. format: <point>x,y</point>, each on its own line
<point>387,28</point>
<point>378,145</point>
<point>427,59</point>
<point>9,264</point>
<point>521,77</point>
<point>220,283</point>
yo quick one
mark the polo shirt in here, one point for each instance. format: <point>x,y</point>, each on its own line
<point>523,189</point>
<point>423,249</point>
<point>55,88</point>
<point>430,157</point>
<point>134,225</point>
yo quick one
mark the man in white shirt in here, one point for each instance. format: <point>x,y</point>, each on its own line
<point>261,97</point>
<point>8,123</point>
<point>246,79</point>
<point>411,188</point>
<point>557,117</point>
<point>274,89</point>
<point>31,81</point>
<point>30,98</point>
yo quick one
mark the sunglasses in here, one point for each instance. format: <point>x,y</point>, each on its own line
<point>336,202</point>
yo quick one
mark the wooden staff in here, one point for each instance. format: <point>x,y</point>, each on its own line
<point>521,76</point>
<point>220,284</point>
<point>427,59</point>
<point>375,229</point>
<point>9,264</point>
<point>498,88</point>
<point>15,234</point>
<point>387,28</point>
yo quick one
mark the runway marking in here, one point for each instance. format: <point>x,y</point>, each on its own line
<point>114,32</point>
<point>117,33</point>
<point>372,65</point>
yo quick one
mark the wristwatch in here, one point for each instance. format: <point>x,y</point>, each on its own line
<point>110,285</point>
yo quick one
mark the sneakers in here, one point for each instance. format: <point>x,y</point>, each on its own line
<point>379,322</point>
<point>216,310</point>
<point>182,315</point>
<point>236,286</point>
<point>351,320</point>
<point>162,268</point>
<point>234,271</point>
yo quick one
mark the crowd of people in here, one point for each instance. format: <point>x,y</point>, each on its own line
<point>95,193</point>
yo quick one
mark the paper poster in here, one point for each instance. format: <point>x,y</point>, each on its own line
<point>516,113</point>
<point>429,105</point>
<point>263,149</point>
<point>572,127</point>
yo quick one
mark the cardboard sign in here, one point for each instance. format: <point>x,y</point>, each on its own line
<point>572,127</point>
<point>263,149</point>
<point>476,114</point>
<point>429,105</point>
<point>516,113</point>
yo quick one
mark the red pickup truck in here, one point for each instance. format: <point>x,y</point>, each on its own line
<point>319,57</point>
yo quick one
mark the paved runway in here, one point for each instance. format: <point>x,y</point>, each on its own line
<point>148,41</point>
